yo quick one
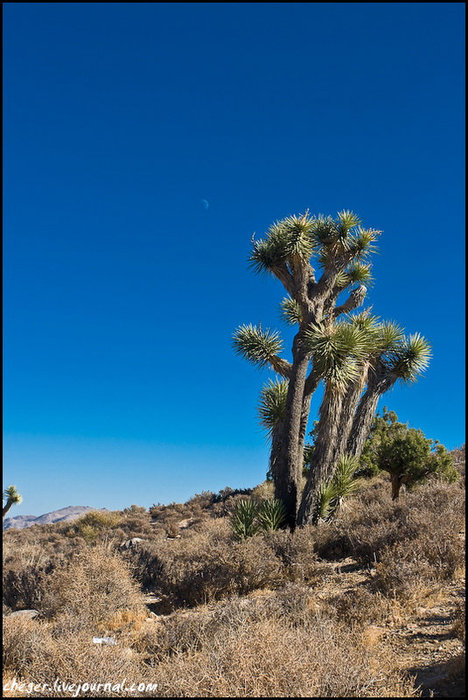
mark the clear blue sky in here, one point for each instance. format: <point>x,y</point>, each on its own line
<point>144,144</point>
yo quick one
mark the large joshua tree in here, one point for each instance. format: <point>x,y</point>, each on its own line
<point>346,355</point>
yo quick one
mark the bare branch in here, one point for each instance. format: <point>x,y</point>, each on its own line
<point>354,300</point>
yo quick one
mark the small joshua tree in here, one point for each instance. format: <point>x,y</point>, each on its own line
<point>11,497</point>
<point>356,357</point>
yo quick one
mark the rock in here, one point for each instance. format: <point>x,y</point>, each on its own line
<point>104,640</point>
<point>183,524</point>
<point>30,614</point>
<point>131,543</point>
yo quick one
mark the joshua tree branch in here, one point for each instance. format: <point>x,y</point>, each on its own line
<point>354,300</point>
<point>285,277</point>
<point>282,367</point>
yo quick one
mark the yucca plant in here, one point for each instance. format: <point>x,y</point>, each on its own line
<point>356,360</point>
<point>11,497</point>
<point>271,514</point>
<point>244,521</point>
<point>341,485</point>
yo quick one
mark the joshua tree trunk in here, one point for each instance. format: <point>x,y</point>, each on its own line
<point>302,433</point>
<point>7,506</point>
<point>322,456</point>
<point>348,410</point>
<point>287,469</point>
<point>365,413</point>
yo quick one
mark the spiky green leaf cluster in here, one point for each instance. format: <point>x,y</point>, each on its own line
<point>272,403</point>
<point>337,350</point>
<point>271,514</point>
<point>365,321</point>
<point>11,494</point>
<point>410,358</point>
<point>251,517</point>
<point>334,237</point>
<point>362,242</point>
<point>286,243</point>
<point>244,521</point>
<point>291,311</point>
<point>340,486</point>
<point>357,272</point>
<point>257,345</point>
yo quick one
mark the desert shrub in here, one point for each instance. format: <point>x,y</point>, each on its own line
<point>94,522</point>
<point>206,565</point>
<point>184,631</point>
<point>34,651</point>
<point>459,456</point>
<point>171,528</point>
<point>218,571</point>
<point>268,658</point>
<point>25,588</point>
<point>407,567</point>
<point>134,509</point>
<point>26,569</point>
<point>264,491</point>
<point>93,586</point>
<point>296,552</point>
<point>371,522</point>
<point>359,607</point>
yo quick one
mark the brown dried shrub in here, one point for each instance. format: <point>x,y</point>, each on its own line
<point>94,585</point>
<point>371,522</point>
<point>33,651</point>
<point>359,607</point>
<point>268,658</point>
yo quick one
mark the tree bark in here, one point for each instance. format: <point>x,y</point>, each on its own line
<point>378,383</point>
<point>396,486</point>
<point>322,457</point>
<point>288,456</point>
<point>348,411</point>
<point>7,507</point>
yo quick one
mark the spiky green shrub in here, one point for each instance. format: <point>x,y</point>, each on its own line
<point>271,514</point>
<point>244,521</point>
<point>251,517</point>
<point>340,486</point>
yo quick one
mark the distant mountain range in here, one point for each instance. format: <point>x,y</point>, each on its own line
<point>55,516</point>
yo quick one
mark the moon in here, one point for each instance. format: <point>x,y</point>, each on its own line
<point>205,203</point>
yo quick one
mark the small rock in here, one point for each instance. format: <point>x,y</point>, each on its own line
<point>183,524</point>
<point>104,640</point>
<point>131,543</point>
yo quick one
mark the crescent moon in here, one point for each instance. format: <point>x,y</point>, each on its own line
<point>205,203</point>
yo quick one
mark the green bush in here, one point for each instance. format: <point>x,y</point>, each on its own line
<point>405,453</point>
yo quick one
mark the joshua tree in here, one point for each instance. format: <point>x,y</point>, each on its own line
<point>11,497</point>
<point>344,355</point>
